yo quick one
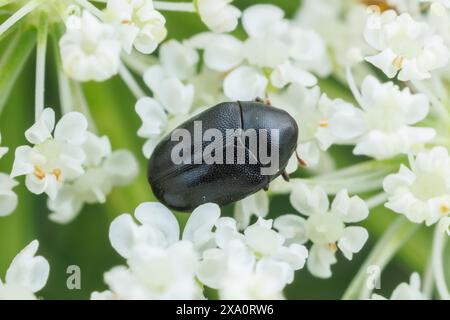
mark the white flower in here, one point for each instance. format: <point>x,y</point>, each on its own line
<point>159,228</point>
<point>173,95</point>
<point>218,15</point>
<point>262,282</point>
<point>405,46</point>
<point>384,127</point>
<point>90,52</point>
<point>178,60</point>
<point>138,24</point>
<point>222,52</point>
<point>245,83</point>
<point>154,122</point>
<point>8,199</point>
<point>26,275</point>
<point>406,291</point>
<point>325,226</point>
<point>160,265</point>
<point>172,99</point>
<point>421,193</point>
<point>313,114</point>
<point>250,68</point>
<point>240,262</point>
<point>54,158</point>
<point>339,24</point>
<point>3,150</point>
<point>105,169</point>
<point>256,204</point>
<point>155,273</point>
<point>308,50</point>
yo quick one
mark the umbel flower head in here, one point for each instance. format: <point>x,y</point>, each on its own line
<point>56,154</point>
<point>421,192</point>
<point>405,46</point>
<point>325,226</point>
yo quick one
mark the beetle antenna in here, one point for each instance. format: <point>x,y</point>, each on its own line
<point>265,101</point>
<point>285,175</point>
<point>300,160</point>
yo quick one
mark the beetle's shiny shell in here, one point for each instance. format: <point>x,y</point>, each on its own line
<point>186,186</point>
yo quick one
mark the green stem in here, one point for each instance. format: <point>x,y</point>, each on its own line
<point>40,64</point>
<point>174,6</point>
<point>428,278</point>
<point>393,239</point>
<point>131,83</point>
<point>18,15</point>
<point>13,61</point>
<point>439,241</point>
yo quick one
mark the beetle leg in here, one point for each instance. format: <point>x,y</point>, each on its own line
<point>285,176</point>
<point>266,188</point>
<point>265,101</point>
<point>300,160</point>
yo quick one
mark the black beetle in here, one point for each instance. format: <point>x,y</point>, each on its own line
<point>184,186</point>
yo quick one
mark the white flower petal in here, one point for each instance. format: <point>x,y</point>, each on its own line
<point>72,128</point>
<point>259,19</point>
<point>352,241</point>
<point>352,209</point>
<point>245,83</point>
<point>292,227</point>
<point>320,261</point>
<point>122,234</point>
<point>159,217</point>
<point>28,271</point>
<point>223,53</point>
<point>309,201</point>
<point>42,129</point>
<point>198,227</point>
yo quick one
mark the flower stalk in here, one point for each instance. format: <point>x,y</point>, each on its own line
<point>393,239</point>
<point>440,238</point>
<point>131,83</point>
<point>18,15</point>
<point>40,63</point>
<point>13,61</point>
<point>174,6</point>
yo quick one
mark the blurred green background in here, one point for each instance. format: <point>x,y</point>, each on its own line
<point>85,241</point>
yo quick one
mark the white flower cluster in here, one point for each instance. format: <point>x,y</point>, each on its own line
<point>70,164</point>
<point>325,226</point>
<point>26,275</point>
<point>92,44</point>
<point>255,264</point>
<point>172,96</point>
<point>405,47</point>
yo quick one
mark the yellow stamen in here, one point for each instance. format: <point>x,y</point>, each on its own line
<point>444,210</point>
<point>398,62</point>
<point>323,123</point>
<point>57,174</point>
<point>332,246</point>
<point>39,173</point>
<point>382,5</point>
